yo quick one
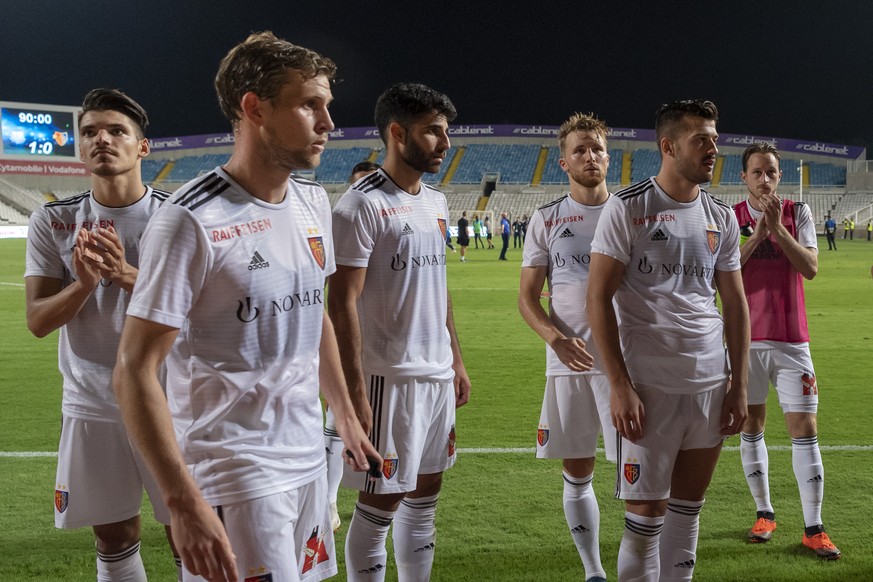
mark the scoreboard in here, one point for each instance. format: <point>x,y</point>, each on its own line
<point>32,131</point>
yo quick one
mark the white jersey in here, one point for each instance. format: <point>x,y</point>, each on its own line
<point>671,330</point>
<point>88,343</point>
<point>400,239</point>
<point>243,280</point>
<point>559,237</point>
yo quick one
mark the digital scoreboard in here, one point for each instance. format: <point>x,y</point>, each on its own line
<point>32,131</point>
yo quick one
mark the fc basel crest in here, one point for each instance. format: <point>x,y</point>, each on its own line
<point>442,224</point>
<point>542,436</point>
<point>632,472</point>
<point>61,500</point>
<point>314,552</point>
<point>389,467</point>
<point>452,441</point>
<point>809,386</point>
<point>316,247</point>
<point>713,238</point>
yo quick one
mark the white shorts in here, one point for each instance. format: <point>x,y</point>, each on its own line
<point>575,410</point>
<point>674,422</point>
<point>100,476</point>
<point>789,368</point>
<point>284,536</point>
<point>414,431</point>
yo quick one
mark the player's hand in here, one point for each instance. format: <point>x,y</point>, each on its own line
<point>360,452</point>
<point>83,261</point>
<point>734,410</point>
<point>462,385</point>
<point>106,247</point>
<point>202,543</point>
<point>363,410</point>
<point>628,412</point>
<point>572,353</point>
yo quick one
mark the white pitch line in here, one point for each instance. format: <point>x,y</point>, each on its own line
<point>508,451</point>
<point>12,284</point>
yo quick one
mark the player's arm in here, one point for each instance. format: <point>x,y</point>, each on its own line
<point>604,276</point>
<point>333,387</point>
<point>462,379</point>
<point>735,312</point>
<point>803,259</point>
<point>106,254</point>
<point>570,350</point>
<point>344,288</point>
<point>198,534</point>
<point>50,305</point>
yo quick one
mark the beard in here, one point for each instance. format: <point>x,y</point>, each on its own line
<point>583,178</point>
<point>418,159</point>
<point>290,159</point>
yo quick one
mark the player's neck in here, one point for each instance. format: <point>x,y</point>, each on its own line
<point>402,174</point>
<point>261,180</point>
<point>117,191</point>
<point>589,196</point>
<point>677,187</point>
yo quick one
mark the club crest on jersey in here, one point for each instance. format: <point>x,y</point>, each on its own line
<point>632,472</point>
<point>809,386</point>
<point>389,466</point>
<point>542,436</point>
<point>316,247</point>
<point>442,224</point>
<point>713,239</point>
<point>314,551</point>
<point>62,499</point>
<point>452,441</point>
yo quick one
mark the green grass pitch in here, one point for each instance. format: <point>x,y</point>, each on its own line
<point>500,515</point>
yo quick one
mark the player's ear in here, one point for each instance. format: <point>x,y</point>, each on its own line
<point>666,146</point>
<point>563,163</point>
<point>145,147</point>
<point>398,132</point>
<point>251,108</point>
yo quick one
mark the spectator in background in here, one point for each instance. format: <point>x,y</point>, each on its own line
<point>463,236</point>
<point>477,230</point>
<point>504,233</point>
<point>830,227</point>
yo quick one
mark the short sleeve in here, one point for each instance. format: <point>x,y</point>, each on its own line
<point>613,236</point>
<point>536,245</point>
<point>354,229</point>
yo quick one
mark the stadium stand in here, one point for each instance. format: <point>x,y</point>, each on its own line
<point>337,164</point>
<point>644,163</point>
<point>151,169</point>
<point>190,167</point>
<point>514,162</point>
<point>10,216</point>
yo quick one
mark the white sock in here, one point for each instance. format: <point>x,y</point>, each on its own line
<point>366,556</point>
<point>125,566</point>
<point>679,540</point>
<point>179,570</point>
<point>638,554</point>
<point>809,472</point>
<point>753,452</point>
<point>333,448</point>
<point>583,517</point>
<point>415,538</point>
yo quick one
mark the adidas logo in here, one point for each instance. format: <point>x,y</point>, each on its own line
<point>427,548</point>
<point>406,230</point>
<point>685,564</point>
<point>258,262</point>
<point>816,479</point>
<point>757,473</point>
<point>373,570</point>
<point>659,235</point>
<point>566,234</point>
<point>579,529</point>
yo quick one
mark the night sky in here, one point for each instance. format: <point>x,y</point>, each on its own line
<point>797,69</point>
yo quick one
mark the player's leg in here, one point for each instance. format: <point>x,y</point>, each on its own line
<point>568,429</point>
<point>643,481</point>
<point>333,448</point>
<point>798,395</point>
<point>695,463</point>
<point>87,452</point>
<point>414,533</point>
<point>753,448</point>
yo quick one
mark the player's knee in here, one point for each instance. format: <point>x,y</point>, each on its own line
<point>113,538</point>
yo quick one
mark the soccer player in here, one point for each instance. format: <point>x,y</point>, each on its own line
<point>82,256</point>
<point>576,401</point>
<point>779,254</point>
<point>333,444</point>
<point>504,234</point>
<point>663,247</point>
<point>830,227</point>
<point>392,312</point>
<point>231,296</point>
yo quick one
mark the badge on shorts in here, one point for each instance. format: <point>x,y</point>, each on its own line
<point>632,472</point>
<point>452,441</point>
<point>389,466</point>
<point>260,577</point>
<point>314,552</point>
<point>542,436</point>
<point>809,386</point>
<point>62,499</point>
